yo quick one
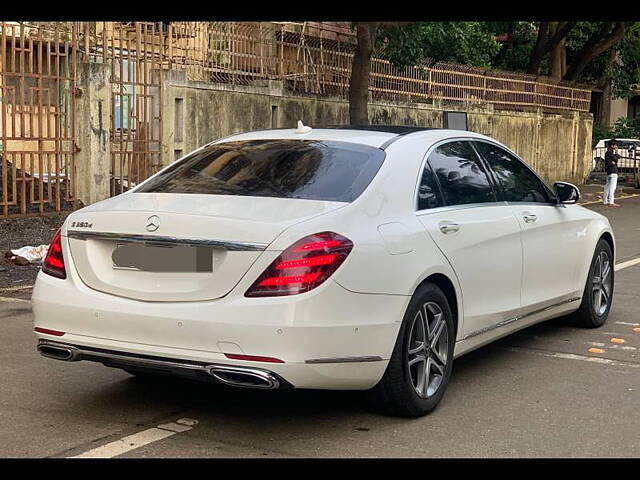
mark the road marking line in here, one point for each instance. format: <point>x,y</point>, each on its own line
<point>11,299</point>
<point>573,356</point>
<point>628,263</point>
<point>15,289</point>
<point>140,439</point>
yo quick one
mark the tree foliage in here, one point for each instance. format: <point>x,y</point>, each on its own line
<point>469,43</point>
<point>623,128</point>
<point>584,52</point>
<point>516,51</point>
<point>626,74</point>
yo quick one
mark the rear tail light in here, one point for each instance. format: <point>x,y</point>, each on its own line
<point>54,261</point>
<point>303,266</point>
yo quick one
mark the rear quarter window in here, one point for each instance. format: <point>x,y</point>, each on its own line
<point>305,169</point>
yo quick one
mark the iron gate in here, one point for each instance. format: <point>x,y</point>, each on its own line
<point>37,118</point>
<point>135,52</point>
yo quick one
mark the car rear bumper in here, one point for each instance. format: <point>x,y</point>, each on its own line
<point>236,376</point>
<point>329,338</point>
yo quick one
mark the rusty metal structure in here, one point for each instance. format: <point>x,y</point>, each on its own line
<point>134,51</point>
<point>37,118</point>
<point>315,57</point>
<point>39,72</point>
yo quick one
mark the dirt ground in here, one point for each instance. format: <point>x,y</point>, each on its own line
<point>18,232</point>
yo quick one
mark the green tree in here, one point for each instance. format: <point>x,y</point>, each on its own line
<point>626,73</point>
<point>409,43</point>
<point>366,33</point>
<point>605,54</point>
<point>469,43</point>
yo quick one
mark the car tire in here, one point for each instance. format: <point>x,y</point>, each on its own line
<point>592,313</point>
<point>397,392</point>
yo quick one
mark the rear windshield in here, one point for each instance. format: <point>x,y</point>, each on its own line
<point>307,169</point>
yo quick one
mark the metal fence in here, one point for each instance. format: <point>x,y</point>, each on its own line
<point>134,52</point>
<point>313,58</point>
<point>37,118</point>
<point>628,163</point>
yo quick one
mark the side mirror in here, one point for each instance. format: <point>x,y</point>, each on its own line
<point>566,193</point>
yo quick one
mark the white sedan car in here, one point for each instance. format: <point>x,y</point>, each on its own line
<point>361,258</point>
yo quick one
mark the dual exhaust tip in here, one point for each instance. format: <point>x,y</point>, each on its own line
<point>241,377</point>
<point>68,354</point>
<point>245,377</point>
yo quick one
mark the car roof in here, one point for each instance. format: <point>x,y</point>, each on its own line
<point>379,136</point>
<point>634,140</point>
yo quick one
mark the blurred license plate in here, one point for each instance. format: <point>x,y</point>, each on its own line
<point>155,258</point>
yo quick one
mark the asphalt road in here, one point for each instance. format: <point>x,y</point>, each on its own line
<point>537,393</point>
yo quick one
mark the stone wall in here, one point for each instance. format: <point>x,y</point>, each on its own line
<point>195,113</point>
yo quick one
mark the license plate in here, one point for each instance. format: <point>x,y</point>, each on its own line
<point>161,258</point>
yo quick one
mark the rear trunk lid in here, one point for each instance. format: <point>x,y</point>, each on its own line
<point>178,247</point>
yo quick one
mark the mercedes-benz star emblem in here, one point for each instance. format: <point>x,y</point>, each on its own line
<point>153,223</point>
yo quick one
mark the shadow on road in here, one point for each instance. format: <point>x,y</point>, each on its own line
<point>268,408</point>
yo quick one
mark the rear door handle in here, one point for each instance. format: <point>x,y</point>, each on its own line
<point>448,227</point>
<point>529,217</point>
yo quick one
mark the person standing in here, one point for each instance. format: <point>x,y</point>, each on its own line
<point>611,168</point>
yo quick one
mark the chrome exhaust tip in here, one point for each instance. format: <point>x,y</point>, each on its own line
<point>67,354</point>
<point>243,377</point>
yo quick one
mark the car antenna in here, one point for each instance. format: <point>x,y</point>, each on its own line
<point>302,128</point>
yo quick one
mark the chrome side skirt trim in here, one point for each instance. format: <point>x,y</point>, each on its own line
<point>344,360</point>
<point>160,240</point>
<point>515,319</point>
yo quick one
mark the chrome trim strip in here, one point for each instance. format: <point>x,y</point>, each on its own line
<point>79,352</point>
<point>448,208</point>
<point>344,360</point>
<point>160,240</point>
<point>515,319</point>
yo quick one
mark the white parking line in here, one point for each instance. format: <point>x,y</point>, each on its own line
<point>139,439</point>
<point>15,289</point>
<point>11,299</point>
<point>572,356</point>
<point>628,263</point>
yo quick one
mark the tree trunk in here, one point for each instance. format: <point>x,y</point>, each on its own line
<point>360,73</point>
<point>610,34</point>
<point>556,61</point>
<point>539,52</point>
<point>607,92</point>
<point>605,112</point>
<point>550,34</point>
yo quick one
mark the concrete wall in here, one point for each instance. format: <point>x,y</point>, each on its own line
<point>557,146</point>
<point>619,108</point>
<point>93,116</point>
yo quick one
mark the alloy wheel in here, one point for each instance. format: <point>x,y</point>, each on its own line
<point>601,283</point>
<point>428,349</point>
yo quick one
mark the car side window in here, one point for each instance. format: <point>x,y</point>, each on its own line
<point>517,181</point>
<point>461,175</point>
<point>428,193</point>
